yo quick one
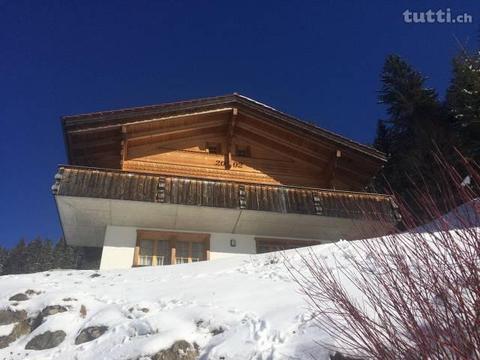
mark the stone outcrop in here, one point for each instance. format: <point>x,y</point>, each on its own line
<point>12,316</point>
<point>19,297</point>
<point>180,350</point>
<point>47,340</point>
<point>49,310</point>
<point>90,333</point>
<point>20,329</point>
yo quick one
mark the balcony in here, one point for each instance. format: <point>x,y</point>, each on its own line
<point>90,198</point>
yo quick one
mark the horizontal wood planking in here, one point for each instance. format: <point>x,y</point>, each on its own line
<point>94,140</point>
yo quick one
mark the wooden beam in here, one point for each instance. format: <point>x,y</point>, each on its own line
<point>124,147</point>
<point>332,167</point>
<point>291,149</point>
<point>230,134</point>
<point>287,152</point>
<point>172,131</point>
<point>292,142</point>
<point>179,138</point>
<point>137,121</point>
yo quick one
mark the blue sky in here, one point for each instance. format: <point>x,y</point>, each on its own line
<point>319,61</point>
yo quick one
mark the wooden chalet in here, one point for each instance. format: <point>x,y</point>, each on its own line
<point>209,178</point>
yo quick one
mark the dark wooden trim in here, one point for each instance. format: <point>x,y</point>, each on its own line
<point>332,167</point>
<point>230,134</point>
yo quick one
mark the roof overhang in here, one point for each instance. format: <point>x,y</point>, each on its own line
<point>116,119</point>
<point>84,220</point>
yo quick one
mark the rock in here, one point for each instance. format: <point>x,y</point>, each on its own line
<point>90,334</point>
<point>4,341</point>
<point>69,299</point>
<point>83,311</point>
<point>53,309</point>
<point>180,350</point>
<point>49,310</point>
<point>47,340</point>
<point>94,275</point>
<point>20,329</point>
<point>19,297</point>
<point>217,331</point>
<point>12,316</point>
<point>32,292</point>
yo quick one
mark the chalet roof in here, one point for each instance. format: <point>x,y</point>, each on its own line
<point>113,118</point>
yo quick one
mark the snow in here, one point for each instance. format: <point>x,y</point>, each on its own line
<point>251,298</point>
<point>6,329</point>
<point>464,216</point>
<point>246,307</point>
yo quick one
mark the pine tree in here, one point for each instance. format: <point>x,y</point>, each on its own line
<point>16,260</point>
<point>3,260</point>
<point>463,103</point>
<point>381,138</point>
<point>33,257</point>
<point>64,256</point>
<point>46,261</point>
<point>415,125</point>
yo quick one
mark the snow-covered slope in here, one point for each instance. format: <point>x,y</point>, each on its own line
<point>241,308</point>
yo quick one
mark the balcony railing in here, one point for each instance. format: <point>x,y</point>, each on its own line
<point>122,185</point>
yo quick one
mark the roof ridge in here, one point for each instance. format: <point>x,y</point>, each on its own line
<point>146,107</point>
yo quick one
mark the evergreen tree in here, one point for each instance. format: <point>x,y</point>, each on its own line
<point>16,260</point>
<point>46,261</point>
<point>64,256</point>
<point>3,260</point>
<point>463,103</point>
<point>33,259</point>
<point>415,125</point>
<point>381,138</point>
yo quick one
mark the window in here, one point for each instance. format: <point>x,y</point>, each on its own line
<point>198,251</point>
<point>214,148</point>
<point>157,248</point>
<point>182,253</point>
<point>265,245</point>
<point>146,252</point>
<point>163,252</point>
<point>242,150</point>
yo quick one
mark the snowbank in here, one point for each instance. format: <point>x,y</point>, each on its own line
<point>240,308</point>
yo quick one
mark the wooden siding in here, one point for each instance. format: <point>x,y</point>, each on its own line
<point>171,139</point>
<point>112,184</point>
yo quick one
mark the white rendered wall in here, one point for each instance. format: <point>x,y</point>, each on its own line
<point>118,247</point>
<point>220,245</point>
<point>120,241</point>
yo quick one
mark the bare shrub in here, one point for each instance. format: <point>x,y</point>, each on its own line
<point>413,294</point>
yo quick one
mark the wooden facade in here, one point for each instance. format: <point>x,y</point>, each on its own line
<point>124,185</point>
<point>219,171</point>
<point>228,138</point>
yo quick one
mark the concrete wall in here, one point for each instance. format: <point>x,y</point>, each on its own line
<point>119,246</point>
<point>220,245</point>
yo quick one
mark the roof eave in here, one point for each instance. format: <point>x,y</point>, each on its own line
<point>230,99</point>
